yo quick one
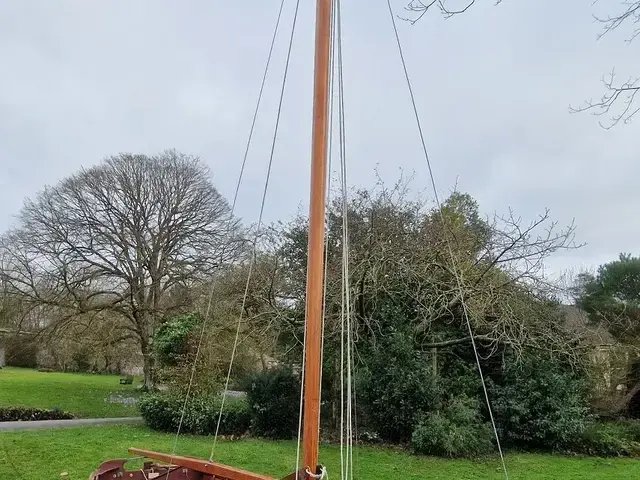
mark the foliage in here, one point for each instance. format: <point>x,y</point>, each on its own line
<point>458,430</point>
<point>182,366</point>
<point>610,439</point>
<point>182,378</point>
<point>274,397</point>
<point>173,338</point>
<point>404,279</point>
<point>631,428</point>
<point>413,352</point>
<point>612,300</point>
<point>539,404</point>
<point>24,414</point>
<point>163,412</point>
<point>612,296</point>
<point>396,387</point>
<point>498,262</point>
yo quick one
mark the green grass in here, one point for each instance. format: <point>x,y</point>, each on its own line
<point>44,454</point>
<point>81,394</point>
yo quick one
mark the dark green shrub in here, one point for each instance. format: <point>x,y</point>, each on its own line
<point>609,439</point>
<point>632,428</point>
<point>457,431</point>
<point>396,387</point>
<point>540,406</point>
<point>274,402</point>
<point>162,411</point>
<point>25,414</point>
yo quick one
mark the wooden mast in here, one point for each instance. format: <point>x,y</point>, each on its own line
<point>315,259</point>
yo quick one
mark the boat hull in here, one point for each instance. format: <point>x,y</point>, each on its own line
<point>178,468</point>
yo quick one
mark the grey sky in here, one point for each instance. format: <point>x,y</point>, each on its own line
<point>83,80</point>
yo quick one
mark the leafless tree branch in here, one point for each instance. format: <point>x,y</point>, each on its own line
<point>420,8</point>
<point>630,12</point>
<point>617,95</point>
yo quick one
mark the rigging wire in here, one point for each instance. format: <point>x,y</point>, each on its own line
<point>254,249</point>
<point>346,428</point>
<point>452,255</point>
<point>231,213</point>
<point>334,53</point>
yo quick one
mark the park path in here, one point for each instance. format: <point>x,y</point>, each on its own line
<point>77,422</point>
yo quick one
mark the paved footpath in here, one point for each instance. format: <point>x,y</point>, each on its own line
<point>78,422</point>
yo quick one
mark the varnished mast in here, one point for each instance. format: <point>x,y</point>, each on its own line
<point>315,263</point>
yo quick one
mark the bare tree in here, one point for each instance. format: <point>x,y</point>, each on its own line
<point>119,237</point>
<point>618,102</point>
<point>448,8</point>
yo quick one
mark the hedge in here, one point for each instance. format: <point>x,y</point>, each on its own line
<point>162,411</point>
<point>27,414</point>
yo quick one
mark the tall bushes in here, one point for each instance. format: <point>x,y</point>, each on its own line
<point>396,387</point>
<point>540,405</point>
<point>274,398</point>
<point>537,403</point>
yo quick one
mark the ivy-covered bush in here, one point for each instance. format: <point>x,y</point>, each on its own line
<point>274,402</point>
<point>175,351</point>
<point>162,411</point>
<point>26,414</point>
<point>172,340</point>
<point>458,430</point>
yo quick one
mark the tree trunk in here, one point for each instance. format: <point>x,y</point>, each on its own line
<point>624,402</point>
<point>148,373</point>
<point>336,401</point>
<point>263,361</point>
<point>434,363</point>
<point>147,367</point>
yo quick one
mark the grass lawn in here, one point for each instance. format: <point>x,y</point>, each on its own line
<point>81,394</point>
<point>44,454</point>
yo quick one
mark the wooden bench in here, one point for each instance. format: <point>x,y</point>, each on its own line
<point>126,380</point>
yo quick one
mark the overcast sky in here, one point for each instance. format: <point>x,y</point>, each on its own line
<point>84,80</point>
